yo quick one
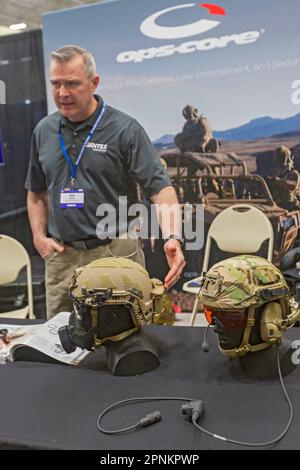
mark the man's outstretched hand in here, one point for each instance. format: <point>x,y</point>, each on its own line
<point>175,260</point>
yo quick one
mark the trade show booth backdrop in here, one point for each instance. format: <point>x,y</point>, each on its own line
<point>22,106</point>
<point>237,62</point>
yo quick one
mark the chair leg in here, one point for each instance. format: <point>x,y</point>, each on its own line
<point>194,312</point>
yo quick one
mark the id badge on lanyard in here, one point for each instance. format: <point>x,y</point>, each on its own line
<point>72,196</point>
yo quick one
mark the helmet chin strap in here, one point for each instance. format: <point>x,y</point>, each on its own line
<point>115,338</point>
<point>243,350</point>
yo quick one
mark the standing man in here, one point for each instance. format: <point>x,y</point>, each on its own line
<point>84,155</point>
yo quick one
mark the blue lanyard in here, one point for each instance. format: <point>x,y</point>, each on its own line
<point>63,147</point>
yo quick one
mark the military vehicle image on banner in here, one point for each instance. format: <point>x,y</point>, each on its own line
<point>205,171</point>
<point>219,180</point>
<point>217,174</point>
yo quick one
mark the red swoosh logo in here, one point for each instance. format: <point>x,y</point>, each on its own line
<point>213,9</point>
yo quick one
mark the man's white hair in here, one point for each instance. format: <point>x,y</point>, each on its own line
<point>66,53</point>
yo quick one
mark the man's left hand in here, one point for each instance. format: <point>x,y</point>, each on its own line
<point>175,260</point>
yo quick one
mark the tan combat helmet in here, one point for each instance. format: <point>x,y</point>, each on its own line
<point>283,155</point>
<point>117,295</point>
<point>234,288</point>
<point>190,112</point>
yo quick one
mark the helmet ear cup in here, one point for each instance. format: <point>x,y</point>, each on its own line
<point>113,320</point>
<point>270,323</point>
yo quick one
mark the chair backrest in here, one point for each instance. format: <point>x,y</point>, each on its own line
<point>13,257</point>
<point>241,228</point>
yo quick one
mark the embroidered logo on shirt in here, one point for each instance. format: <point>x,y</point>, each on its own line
<point>97,147</point>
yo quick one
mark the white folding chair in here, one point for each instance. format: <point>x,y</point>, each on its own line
<point>13,257</point>
<point>241,228</point>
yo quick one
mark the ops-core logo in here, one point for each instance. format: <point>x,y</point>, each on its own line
<point>150,28</point>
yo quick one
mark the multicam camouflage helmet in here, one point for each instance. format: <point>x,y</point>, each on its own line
<point>247,282</point>
<point>116,283</point>
<point>242,281</point>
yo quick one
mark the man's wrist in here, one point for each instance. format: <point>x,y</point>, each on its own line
<point>39,238</point>
<point>174,237</point>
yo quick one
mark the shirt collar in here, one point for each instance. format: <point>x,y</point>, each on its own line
<point>89,122</point>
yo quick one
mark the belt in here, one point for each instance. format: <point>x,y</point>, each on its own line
<point>86,244</point>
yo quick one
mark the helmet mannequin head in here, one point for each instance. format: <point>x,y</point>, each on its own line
<point>112,298</point>
<point>249,303</point>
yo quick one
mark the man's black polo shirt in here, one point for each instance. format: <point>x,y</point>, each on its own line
<point>118,155</point>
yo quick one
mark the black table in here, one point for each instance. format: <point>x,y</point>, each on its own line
<point>56,406</point>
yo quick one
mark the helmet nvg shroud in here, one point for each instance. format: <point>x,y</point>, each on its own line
<point>112,298</point>
<point>248,300</point>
